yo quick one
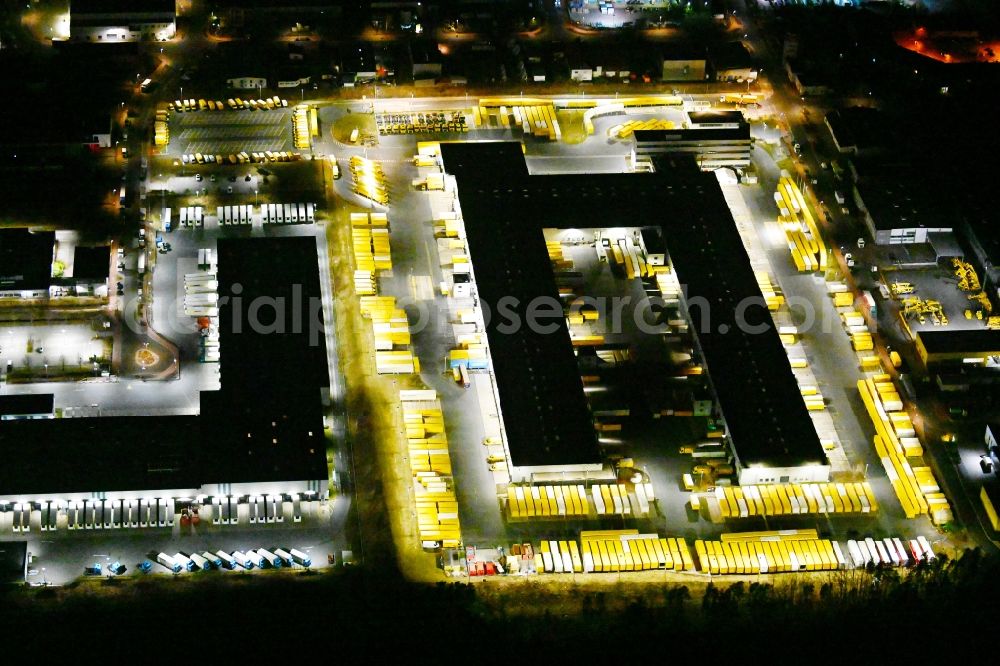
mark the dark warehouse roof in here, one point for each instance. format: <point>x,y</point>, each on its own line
<point>505,211</point>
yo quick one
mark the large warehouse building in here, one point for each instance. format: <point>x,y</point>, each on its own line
<point>116,21</point>
<point>260,434</point>
<point>544,413</point>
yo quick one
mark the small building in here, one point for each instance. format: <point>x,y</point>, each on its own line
<point>25,263</point>
<point>857,130</point>
<point>88,275</point>
<point>732,61</point>
<point>683,64</point>
<point>807,80</point>
<point>716,119</point>
<point>116,21</point>
<point>712,148</point>
<point>247,83</point>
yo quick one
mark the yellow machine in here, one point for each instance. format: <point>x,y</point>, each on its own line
<point>968,280</point>
<point>901,288</point>
<point>984,303</point>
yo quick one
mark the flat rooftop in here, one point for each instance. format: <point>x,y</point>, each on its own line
<point>99,454</point>
<point>730,55</point>
<point>13,561</point>
<point>699,134</point>
<point>25,259</point>
<point>134,7</point>
<point>704,117</point>
<point>25,404</point>
<point>277,316</point>
<point>546,415</point>
<point>505,211</point>
<point>91,263</point>
<point>862,127</point>
<point>974,341</point>
<point>747,364</point>
<point>265,424</point>
<point>903,198</point>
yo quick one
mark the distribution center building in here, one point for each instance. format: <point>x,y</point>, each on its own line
<point>540,395</point>
<point>260,434</point>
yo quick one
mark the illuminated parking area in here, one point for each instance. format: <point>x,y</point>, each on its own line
<point>46,351</point>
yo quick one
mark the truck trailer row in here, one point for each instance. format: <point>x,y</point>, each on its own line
<point>575,500</point>
<point>260,558</point>
<point>94,514</point>
<point>793,498</point>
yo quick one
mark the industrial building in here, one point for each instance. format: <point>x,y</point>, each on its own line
<point>966,347</point>
<point>731,61</point>
<point>858,130</point>
<point>712,148</point>
<point>261,433</point>
<point>900,207</point>
<point>25,263</point>
<point>540,396</point>
<point>116,21</point>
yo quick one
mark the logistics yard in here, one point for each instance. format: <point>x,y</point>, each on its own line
<point>588,357</point>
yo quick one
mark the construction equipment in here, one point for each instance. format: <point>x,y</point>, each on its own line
<point>922,309</point>
<point>901,289</point>
<point>984,303</point>
<point>968,280</point>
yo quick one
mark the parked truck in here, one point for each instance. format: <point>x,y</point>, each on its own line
<point>200,562</point>
<point>243,559</point>
<point>286,557</point>
<point>169,562</point>
<point>709,450</point>
<point>225,560</point>
<point>213,560</point>
<point>270,557</point>
<point>300,558</point>
<point>184,561</point>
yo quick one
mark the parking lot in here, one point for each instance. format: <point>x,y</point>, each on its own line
<point>51,348</point>
<point>230,132</point>
<point>59,556</point>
